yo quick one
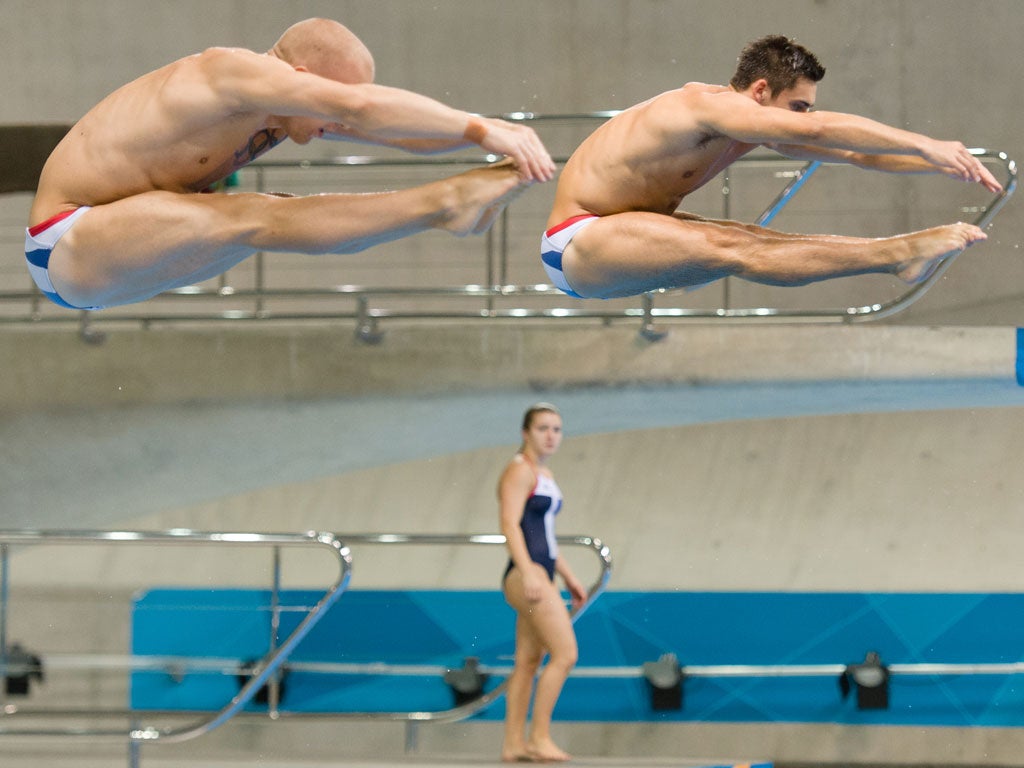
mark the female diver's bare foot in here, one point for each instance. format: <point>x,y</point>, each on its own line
<point>479,196</point>
<point>546,751</point>
<point>931,247</point>
<point>516,757</point>
<point>514,750</point>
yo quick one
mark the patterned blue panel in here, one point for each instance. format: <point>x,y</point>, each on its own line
<point>621,629</point>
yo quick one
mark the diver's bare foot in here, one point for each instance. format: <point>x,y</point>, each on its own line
<point>930,247</point>
<point>516,757</point>
<point>479,196</point>
<point>514,750</point>
<point>546,751</point>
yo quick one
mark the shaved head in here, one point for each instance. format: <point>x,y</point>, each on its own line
<point>326,48</point>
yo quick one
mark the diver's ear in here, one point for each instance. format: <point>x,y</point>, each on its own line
<point>761,92</point>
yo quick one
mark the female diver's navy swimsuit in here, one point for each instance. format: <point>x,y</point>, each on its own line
<point>538,524</point>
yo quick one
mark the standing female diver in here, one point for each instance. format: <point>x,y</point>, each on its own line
<point>529,499</point>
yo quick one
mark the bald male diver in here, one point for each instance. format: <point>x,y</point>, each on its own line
<point>615,230</point>
<point>119,216</point>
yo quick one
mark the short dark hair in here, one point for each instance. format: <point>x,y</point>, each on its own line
<point>778,60</point>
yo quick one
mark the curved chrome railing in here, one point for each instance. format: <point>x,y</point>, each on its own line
<point>984,218</point>
<point>266,668</point>
<point>274,662</point>
<point>986,214</point>
<point>598,547</point>
<point>494,285</point>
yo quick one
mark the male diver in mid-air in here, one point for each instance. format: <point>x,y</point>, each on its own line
<point>119,213</point>
<point>614,229</point>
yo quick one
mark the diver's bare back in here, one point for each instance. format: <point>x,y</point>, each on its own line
<point>628,164</point>
<point>167,130</point>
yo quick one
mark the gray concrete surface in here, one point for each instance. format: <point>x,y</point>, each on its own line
<point>712,466</point>
<point>157,421</point>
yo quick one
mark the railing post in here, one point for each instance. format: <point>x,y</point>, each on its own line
<point>489,271</point>
<point>366,325</point>
<point>259,264</point>
<point>648,330</point>
<point>503,272</point>
<point>412,737</point>
<point>274,684</point>
<point>727,214</point>
<point>134,749</point>
<point>86,332</point>
<point>4,596</point>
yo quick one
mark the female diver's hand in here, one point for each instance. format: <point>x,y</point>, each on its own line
<point>577,592</point>
<point>534,580</point>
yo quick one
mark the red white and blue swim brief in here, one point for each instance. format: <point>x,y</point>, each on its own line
<point>554,243</point>
<point>39,243</point>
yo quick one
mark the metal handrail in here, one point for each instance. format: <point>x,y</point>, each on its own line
<point>930,669</point>
<point>853,313</point>
<point>472,707</point>
<point>277,661</point>
<point>266,668</point>
<point>232,666</point>
<point>984,218</point>
<point>367,318</point>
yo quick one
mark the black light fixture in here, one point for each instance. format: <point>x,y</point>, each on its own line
<point>665,680</point>
<point>467,682</point>
<point>21,667</point>
<point>871,679</point>
<point>248,669</point>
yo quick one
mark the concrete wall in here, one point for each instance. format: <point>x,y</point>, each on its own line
<point>717,459</point>
<point>714,459</point>
<point>883,57</point>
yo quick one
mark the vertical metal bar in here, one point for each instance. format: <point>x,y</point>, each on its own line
<point>726,194</point>
<point>412,733</point>
<point>260,262</point>
<point>4,596</point>
<point>134,749</point>
<point>489,277</point>
<point>648,330</point>
<point>366,325</point>
<point>727,214</point>
<point>504,247</point>
<point>274,684</point>
<point>260,278</point>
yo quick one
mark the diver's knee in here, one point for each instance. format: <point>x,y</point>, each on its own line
<point>564,659</point>
<point>528,663</point>
<point>580,282</point>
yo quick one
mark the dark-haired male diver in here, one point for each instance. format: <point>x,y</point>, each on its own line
<point>614,229</point>
<point>119,215</point>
